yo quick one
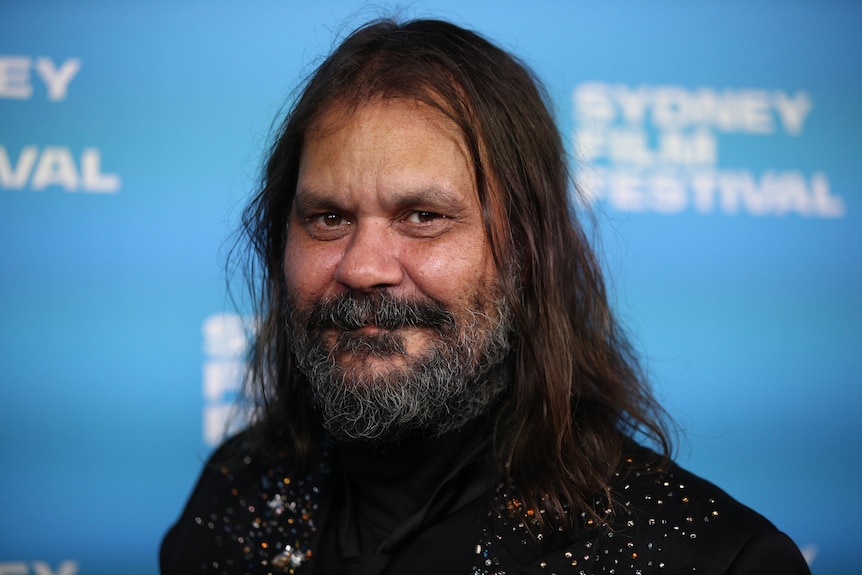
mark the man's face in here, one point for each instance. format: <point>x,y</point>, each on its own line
<point>393,297</point>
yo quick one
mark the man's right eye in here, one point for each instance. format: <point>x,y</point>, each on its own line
<point>327,220</point>
<point>327,225</point>
<point>330,219</point>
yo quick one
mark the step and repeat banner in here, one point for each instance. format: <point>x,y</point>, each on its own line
<point>718,143</point>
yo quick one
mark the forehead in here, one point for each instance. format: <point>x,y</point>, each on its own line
<point>384,114</point>
<point>384,142</point>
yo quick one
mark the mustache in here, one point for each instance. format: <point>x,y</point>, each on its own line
<point>353,311</point>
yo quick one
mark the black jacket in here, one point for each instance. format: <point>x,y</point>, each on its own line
<point>248,517</point>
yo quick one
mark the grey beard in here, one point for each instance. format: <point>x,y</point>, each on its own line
<point>456,381</point>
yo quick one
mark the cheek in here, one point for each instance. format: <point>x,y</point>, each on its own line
<point>308,272</point>
<point>451,273</point>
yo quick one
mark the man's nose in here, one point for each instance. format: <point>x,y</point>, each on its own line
<point>371,259</point>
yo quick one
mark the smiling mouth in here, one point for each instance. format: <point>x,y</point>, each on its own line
<point>374,329</point>
<point>369,341</point>
<point>371,329</point>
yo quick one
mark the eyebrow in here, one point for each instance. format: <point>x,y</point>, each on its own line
<point>307,199</point>
<point>433,196</point>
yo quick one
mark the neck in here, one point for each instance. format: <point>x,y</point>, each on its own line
<point>390,484</point>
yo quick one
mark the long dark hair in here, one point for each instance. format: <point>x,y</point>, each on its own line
<point>579,394</point>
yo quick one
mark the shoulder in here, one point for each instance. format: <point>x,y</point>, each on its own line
<point>661,519</point>
<point>244,510</point>
<point>670,517</point>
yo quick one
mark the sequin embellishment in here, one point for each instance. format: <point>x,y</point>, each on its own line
<point>271,524</point>
<point>653,512</point>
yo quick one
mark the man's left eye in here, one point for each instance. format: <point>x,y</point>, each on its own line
<point>419,217</point>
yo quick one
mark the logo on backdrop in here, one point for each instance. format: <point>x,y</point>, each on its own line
<point>38,568</point>
<point>34,167</point>
<point>224,345</point>
<point>656,149</point>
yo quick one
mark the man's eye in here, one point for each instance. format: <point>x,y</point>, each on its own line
<point>420,217</point>
<point>329,219</point>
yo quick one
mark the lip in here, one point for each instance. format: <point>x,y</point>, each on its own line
<point>370,330</point>
<point>363,330</point>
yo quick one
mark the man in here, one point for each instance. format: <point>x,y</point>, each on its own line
<point>441,385</point>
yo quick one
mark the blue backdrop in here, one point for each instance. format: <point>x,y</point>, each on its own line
<point>720,144</point>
